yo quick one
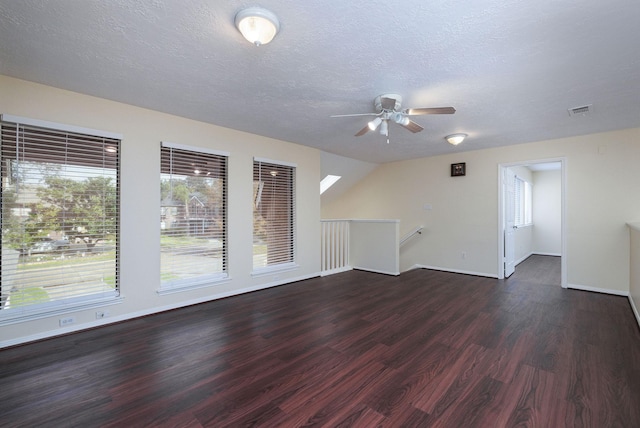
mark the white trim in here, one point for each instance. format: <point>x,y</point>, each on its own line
<point>375,220</point>
<point>521,259</point>
<point>464,272</point>
<point>384,272</point>
<point>275,162</point>
<point>563,214</point>
<point>58,310</point>
<point>269,270</point>
<point>634,225</point>
<point>186,285</point>
<point>360,220</point>
<point>194,148</point>
<point>410,268</point>
<point>58,126</point>
<point>598,290</point>
<point>156,310</point>
<point>535,253</point>
<point>337,270</point>
<point>635,309</point>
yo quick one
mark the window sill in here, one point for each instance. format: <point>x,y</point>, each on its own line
<point>54,309</point>
<point>270,270</point>
<point>193,285</point>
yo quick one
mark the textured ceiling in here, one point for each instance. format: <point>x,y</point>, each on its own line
<point>511,68</point>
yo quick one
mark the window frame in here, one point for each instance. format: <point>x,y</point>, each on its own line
<point>523,202</point>
<point>211,279</point>
<point>110,146</point>
<point>290,264</point>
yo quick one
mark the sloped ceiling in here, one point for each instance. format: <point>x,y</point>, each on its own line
<point>511,68</point>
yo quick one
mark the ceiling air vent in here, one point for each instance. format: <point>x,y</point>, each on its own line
<point>581,111</point>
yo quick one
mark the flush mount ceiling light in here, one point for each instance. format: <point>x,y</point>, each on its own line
<point>257,25</point>
<point>455,139</point>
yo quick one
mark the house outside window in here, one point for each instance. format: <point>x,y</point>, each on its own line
<point>273,215</point>
<point>193,217</point>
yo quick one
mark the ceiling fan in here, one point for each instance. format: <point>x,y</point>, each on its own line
<point>389,108</point>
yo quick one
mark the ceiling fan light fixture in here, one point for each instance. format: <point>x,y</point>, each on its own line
<point>401,119</point>
<point>384,128</point>
<point>455,139</point>
<point>259,26</point>
<point>374,123</point>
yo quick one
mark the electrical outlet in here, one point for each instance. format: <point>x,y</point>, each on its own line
<point>66,321</point>
<point>464,255</point>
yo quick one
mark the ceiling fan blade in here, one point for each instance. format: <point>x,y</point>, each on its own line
<point>388,103</point>
<point>354,114</point>
<point>412,126</point>
<point>429,110</point>
<point>363,131</point>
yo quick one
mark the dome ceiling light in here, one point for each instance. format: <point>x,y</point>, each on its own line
<point>455,139</point>
<point>259,26</point>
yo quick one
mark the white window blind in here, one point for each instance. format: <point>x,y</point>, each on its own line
<point>60,218</point>
<point>193,217</point>
<point>523,202</point>
<point>273,214</point>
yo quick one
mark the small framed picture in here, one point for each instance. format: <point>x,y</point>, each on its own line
<point>458,169</point>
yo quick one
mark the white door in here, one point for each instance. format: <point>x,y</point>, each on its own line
<point>509,221</point>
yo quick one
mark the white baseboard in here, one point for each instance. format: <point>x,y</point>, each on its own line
<point>384,272</point>
<point>598,290</point>
<point>547,254</point>
<point>464,272</point>
<point>635,309</point>
<point>521,259</point>
<point>151,311</point>
<point>334,271</point>
<point>412,268</point>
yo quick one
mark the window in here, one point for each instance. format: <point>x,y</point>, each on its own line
<point>522,196</point>
<point>60,217</point>
<point>273,215</point>
<point>193,217</point>
<point>328,181</point>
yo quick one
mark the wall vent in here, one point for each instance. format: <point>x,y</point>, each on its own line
<point>581,111</point>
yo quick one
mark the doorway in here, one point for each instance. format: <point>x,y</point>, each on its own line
<point>513,233</point>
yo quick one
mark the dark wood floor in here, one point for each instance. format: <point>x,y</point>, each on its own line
<point>355,349</point>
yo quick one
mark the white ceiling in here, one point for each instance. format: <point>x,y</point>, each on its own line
<point>511,68</point>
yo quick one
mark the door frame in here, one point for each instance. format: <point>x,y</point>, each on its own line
<point>563,209</point>
<point>508,191</point>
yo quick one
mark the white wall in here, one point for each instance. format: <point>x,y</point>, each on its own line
<point>142,132</point>
<point>523,242</point>
<point>547,212</point>
<point>601,173</point>
<point>351,171</point>
<point>374,246</point>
